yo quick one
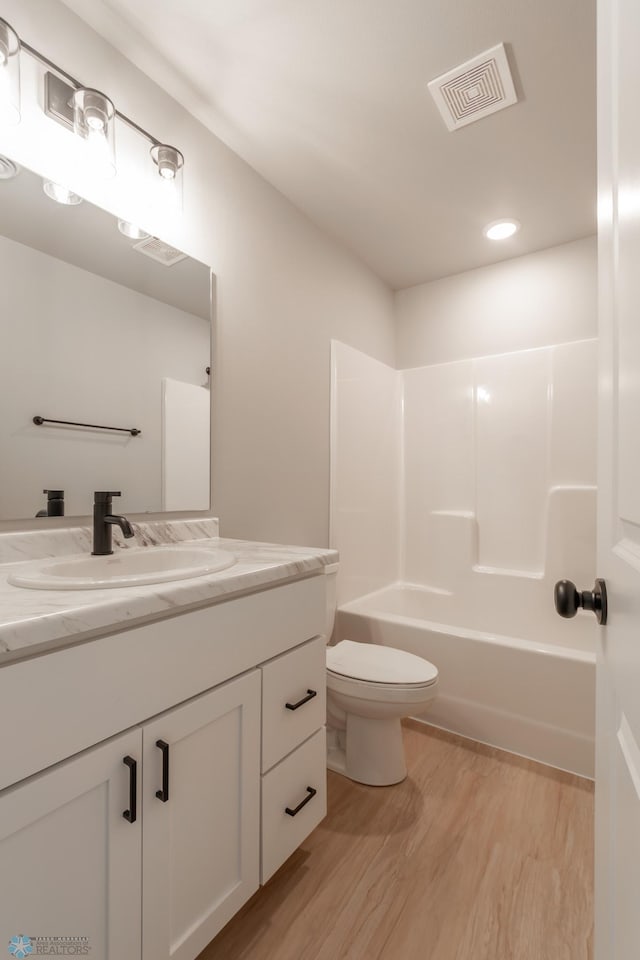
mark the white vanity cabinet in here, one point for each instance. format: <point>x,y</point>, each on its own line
<point>69,860</point>
<point>201,818</point>
<point>90,849</point>
<point>215,747</point>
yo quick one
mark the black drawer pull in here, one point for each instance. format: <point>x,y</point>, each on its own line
<point>164,793</point>
<point>310,794</point>
<point>310,695</point>
<point>131,813</point>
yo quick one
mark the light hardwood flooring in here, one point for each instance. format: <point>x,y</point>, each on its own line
<point>478,855</point>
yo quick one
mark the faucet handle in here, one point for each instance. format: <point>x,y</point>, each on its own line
<point>104,496</point>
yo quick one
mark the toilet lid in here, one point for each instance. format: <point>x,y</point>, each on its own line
<point>375,664</point>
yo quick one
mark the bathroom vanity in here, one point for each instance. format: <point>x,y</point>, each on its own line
<point>163,751</point>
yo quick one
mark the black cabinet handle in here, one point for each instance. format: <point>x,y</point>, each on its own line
<point>294,706</point>
<point>131,813</point>
<point>164,793</point>
<point>310,795</point>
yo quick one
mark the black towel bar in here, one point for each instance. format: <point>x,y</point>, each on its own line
<point>90,426</point>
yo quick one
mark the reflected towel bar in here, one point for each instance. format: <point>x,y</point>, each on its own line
<point>90,426</point>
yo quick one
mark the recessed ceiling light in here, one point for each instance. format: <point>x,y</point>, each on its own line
<point>501,229</point>
<point>61,194</point>
<point>132,231</point>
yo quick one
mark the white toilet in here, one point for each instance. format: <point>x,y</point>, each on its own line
<point>369,689</point>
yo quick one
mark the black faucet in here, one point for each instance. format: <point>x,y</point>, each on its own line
<point>104,520</point>
<point>55,504</point>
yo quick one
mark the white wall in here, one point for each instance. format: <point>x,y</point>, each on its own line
<point>75,343</point>
<point>533,301</point>
<point>284,290</point>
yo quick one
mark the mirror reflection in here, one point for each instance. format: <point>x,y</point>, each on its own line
<point>106,341</point>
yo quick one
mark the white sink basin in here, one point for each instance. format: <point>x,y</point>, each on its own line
<point>127,568</point>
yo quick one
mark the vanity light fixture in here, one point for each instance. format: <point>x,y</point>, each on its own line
<point>131,231</point>
<point>9,74</point>
<point>501,229</point>
<point>61,194</point>
<point>90,114</point>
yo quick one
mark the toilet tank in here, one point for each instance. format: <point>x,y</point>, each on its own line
<point>331,574</point>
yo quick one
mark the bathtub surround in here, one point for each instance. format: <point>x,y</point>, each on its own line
<point>495,501</point>
<point>499,481</point>
<point>366,470</point>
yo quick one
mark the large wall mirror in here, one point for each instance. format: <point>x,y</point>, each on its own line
<point>110,334</point>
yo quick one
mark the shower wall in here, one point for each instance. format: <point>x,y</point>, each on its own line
<point>366,466</point>
<point>476,478</point>
<point>500,466</point>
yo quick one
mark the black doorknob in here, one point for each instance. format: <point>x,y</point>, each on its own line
<point>569,600</point>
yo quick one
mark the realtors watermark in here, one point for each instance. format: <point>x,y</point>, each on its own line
<point>22,947</point>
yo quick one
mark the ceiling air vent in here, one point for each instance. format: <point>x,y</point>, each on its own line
<point>475,89</point>
<point>164,253</point>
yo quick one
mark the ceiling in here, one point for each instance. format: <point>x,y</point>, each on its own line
<point>328,100</point>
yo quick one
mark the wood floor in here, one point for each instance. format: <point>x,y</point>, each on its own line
<point>478,855</point>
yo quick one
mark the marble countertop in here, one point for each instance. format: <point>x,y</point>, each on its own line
<point>41,621</point>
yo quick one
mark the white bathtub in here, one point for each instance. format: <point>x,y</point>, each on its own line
<point>533,696</point>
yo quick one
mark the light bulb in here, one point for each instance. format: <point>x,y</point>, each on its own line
<point>94,123</point>
<point>166,188</point>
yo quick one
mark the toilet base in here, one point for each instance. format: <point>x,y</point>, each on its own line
<point>373,753</point>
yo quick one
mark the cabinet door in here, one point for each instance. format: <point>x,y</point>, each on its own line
<point>70,863</point>
<point>201,819</point>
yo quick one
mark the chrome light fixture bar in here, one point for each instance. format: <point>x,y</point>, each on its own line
<point>88,112</point>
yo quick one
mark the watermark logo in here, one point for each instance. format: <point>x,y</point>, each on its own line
<point>20,947</point>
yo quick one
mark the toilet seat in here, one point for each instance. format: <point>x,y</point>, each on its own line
<point>409,694</point>
<point>382,667</point>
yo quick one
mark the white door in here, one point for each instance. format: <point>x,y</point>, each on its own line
<point>70,863</point>
<point>618,707</point>
<point>201,807</point>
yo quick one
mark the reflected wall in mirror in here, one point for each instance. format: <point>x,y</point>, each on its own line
<point>96,331</point>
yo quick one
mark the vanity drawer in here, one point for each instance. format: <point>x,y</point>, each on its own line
<point>296,678</point>
<point>287,787</point>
